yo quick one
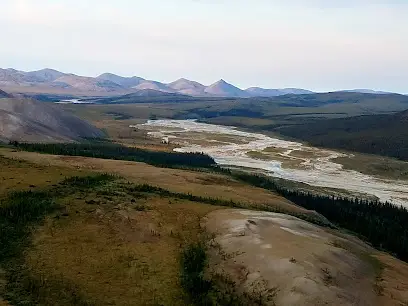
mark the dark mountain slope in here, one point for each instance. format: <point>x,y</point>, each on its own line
<point>375,134</point>
<point>4,94</point>
<point>29,120</point>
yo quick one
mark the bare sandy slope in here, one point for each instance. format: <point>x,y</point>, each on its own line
<point>286,261</point>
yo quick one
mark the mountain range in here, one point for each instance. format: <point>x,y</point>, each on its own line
<point>108,84</point>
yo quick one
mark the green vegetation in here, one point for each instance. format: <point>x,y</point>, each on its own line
<point>20,213</point>
<point>193,264</point>
<point>381,224</point>
<point>17,212</point>
<point>84,182</point>
<point>119,116</point>
<point>377,134</point>
<point>380,166</point>
<point>118,152</point>
<point>253,113</point>
<point>203,291</point>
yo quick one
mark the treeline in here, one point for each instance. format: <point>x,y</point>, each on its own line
<point>375,134</point>
<point>118,152</point>
<point>146,188</point>
<point>384,225</point>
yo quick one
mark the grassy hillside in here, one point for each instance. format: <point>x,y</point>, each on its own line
<point>378,134</point>
<point>89,238</point>
<point>71,236</point>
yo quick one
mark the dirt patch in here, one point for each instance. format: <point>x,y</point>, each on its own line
<point>308,154</point>
<point>286,160</point>
<point>288,261</point>
<point>392,283</point>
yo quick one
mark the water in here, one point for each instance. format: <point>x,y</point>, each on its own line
<point>320,169</point>
<point>73,101</point>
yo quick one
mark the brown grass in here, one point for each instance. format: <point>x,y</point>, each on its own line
<point>121,249</point>
<point>379,166</point>
<point>110,251</point>
<point>18,174</point>
<point>202,184</point>
<point>116,254</point>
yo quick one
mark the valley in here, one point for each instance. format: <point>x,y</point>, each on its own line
<point>121,238</point>
<point>203,153</point>
<point>276,157</point>
<point>127,218</point>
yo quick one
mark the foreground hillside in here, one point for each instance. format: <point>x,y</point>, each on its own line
<point>28,120</point>
<point>377,134</point>
<point>160,236</point>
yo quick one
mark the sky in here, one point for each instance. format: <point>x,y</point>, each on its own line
<point>313,44</point>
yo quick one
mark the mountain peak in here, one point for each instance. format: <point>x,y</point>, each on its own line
<point>127,82</point>
<point>222,81</point>
<point>187,87</point>
<point>223,89</point>
<point>107,74</point>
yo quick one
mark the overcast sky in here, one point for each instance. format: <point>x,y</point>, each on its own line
<point>314,44</point>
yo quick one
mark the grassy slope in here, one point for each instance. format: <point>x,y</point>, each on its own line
<point>112,244</point>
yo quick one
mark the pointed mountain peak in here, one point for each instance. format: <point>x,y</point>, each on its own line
<point>221,81</point>
<point>224,89</point>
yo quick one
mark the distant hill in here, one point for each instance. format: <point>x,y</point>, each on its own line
<point>143,96</point>
<point>50,81</point>
<point>4,94</point>
<point>153,85</point>
<point>122,81</point>
<point>29,120</point>
<point>42,76</point>
<point>368,91</point>
<point>263,92</point>
<point>87,84</point>
<point>374,134</point>
<point>11,77</point>
<point>224,89</point>
<point>188,87</point>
